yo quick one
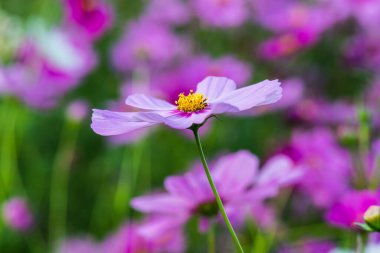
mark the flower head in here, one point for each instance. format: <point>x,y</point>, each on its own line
<point>222,97</point>
<point>17,215</point>
<point>240,184</point>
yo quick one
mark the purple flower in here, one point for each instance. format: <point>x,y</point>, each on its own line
<point>326,165</point>
<point>49,63</point>
<point>127,239</point>
<point>308,246</point>
<point>241,187</point>
<point>221,13</point>
<point>214,95</point>
<point>173,12</point>
<point>17,215</point>
<point>91,17</point>
<point>351,208</point>
<point>77,110</point>
<point>146,43</point>
<point>78,245</point>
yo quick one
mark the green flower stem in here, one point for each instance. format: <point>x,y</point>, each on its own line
<point>360,242</point>
<point>216,194</point>
<point>60,179</point>
<point>211,238</point>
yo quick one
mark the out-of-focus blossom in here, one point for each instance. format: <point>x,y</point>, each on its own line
<point>241,187</point>
<point>173,12</point>
<point>77,110</point>
<point>193,70</point>
<point>372,217</point>
<point>320,111</point>
<point>49,63</point>
<point>78,245</point>
<point>90,17</point>
<point>309,246</point>
<point>214,95</point>
<point>282,16</point>
<point>351,208</point>
<point>17,215</point>
<point>327,166</point>
<point>221,13</point>
<point>287,44</point>
<point>363,50</point>
<point>128,239</point>
<point>147,43</point>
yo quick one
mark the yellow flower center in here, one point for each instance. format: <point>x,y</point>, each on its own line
<point>192,102</point>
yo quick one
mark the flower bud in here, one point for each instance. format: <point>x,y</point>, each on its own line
<point>372,217</point>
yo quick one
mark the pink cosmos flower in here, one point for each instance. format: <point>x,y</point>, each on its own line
<point>351,208</point>
<point>49,63</point>
<point>240,184</point>
<point>77,110</point>
<point>214,95</point>
<point>127,239</point>
<point>91,17</point>
<point>221,13</point>
<point>173,12</point>
<point>146,42</point>
<point>308,246</point>
<point>17,215</point>
<point>326,165</point>
<point>78,245</point>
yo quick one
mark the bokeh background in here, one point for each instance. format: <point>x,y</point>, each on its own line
<point>60,59</point>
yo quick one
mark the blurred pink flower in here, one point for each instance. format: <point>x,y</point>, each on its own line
<point>91,17</point>
<point>319,111</point>
<point>172,12</point>
<point>49,63</point>
<point>77,110</point>
<point>308,246</point>
<point>351,208</point>
<point>78,245</point>
<point>127,239</point>
<point>221,13</point>
<point>240,184</point>
<point>146,43</point>
<point>214,95</point>
<point>17,215</point>
<point>326,165</point>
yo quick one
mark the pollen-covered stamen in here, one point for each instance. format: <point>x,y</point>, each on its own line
<point>193,102</point>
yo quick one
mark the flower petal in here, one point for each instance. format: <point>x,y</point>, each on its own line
<point>234,173</point>
<point>279,171</point>
<point>113,123</point>
<point>214,87</point>
<point>265,92</point>
<point>148,103</point>
<point>161,203</point>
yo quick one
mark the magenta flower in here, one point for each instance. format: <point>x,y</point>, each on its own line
<point>77,110</point>
<point>91,17</point>
<point>308,246</point>
<point>241,186</point>
<point>17,215</point>
<point>351,208</point>
<point>327,166</point>
<point>221,13</point>
<point>146,43</point>
<point>214,95</point>
<point>49,63</point>
<point>78,245</point>
<point>171,12</point>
